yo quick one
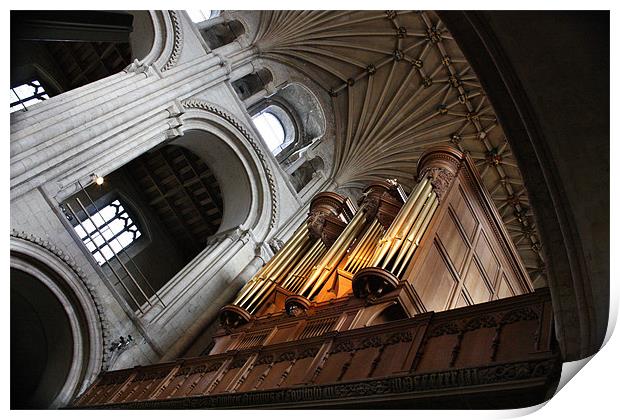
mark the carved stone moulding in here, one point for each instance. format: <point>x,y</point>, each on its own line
<point>296,305</point>
<point>373,282</point>
<point>440,164</point>
<point>232,316</point>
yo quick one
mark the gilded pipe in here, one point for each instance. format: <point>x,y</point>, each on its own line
<point>335,254</point>
<point>299,282</point>
<point>403,212</point>
<point>277,260</point>
<point>366,246</point>
<point>416,242</point>
<point>286,253</point>
<point>386,241</point>
<point>268,286</point>
<point>405,222</point>
<point>288,262</point>
<point>293,260</point>
<point>245,289</point>
<point>352,259</point>
<point>365,261</point>
<point>414,230</point>
<point>342,239</point>
<point>304,260</point>
<point>314,257</point>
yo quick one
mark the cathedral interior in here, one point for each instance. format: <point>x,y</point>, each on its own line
<point>306,209</point>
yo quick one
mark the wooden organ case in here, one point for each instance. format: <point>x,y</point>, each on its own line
<point>393,290</point>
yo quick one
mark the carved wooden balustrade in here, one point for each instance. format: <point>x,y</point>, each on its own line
<point>500,353</point>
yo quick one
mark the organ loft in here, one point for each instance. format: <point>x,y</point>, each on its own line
<point>396,300</point>
<point>305,208</point>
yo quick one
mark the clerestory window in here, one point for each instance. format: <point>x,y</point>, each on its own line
<point>108,231</point>
<point>198,16</point>
<point>26,95</point>
<point>271,130</point>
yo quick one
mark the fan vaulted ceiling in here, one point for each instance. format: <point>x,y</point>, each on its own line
<point>399,84</point>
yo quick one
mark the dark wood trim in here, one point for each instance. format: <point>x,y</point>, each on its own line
<point>568,276</point>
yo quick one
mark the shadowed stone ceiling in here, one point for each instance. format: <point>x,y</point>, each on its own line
<point>400,84</point>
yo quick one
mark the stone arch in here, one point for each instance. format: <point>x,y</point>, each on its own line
<point>238,163</point>
<point>166,33</point>
<point>55,279</point>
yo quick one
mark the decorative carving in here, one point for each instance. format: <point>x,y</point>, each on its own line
<point>485,321</point>
<point>370,207</point>
<point>286,356</point>
<point>232,316</point>
<point>343,346</point>
<point>296,305</point>
<point>373,282</point>
<point>521,314</point>
<point>370,342</point>
<point>275,245</point>
<point>457,379</point>
<point>183,371</point>
<point>399,337</point>
<point>309,352</point>
<point>433,34</point>
<point>238,362</point>
<point>177,42</point>
<point>316,223</point>
<point>440,178</point>
<point>444,329</point>
<point>295,310</point>
<point>265,359</point>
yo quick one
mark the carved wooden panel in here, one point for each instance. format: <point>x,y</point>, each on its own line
<point>435,282</point>
<point>463,244</point>
<point>514,330</point>
<point>455,244</point>
<point>434,355</point>
<point>475,284</point>
<point>466,217</point>
<point>487,258</point>
<point>284,333</point>
<point>471,352</point>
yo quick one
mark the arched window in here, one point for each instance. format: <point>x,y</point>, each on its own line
<point>198,16</point>
<point>271,130</point>
<point>276,127</point>
<point>107,231</point>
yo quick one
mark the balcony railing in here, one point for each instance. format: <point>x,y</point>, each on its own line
<point>504,349</point>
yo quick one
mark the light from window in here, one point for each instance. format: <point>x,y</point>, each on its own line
<point>117,228</point>
<point>26,95</point>
<point>270,128</point>
<point>198,16</point>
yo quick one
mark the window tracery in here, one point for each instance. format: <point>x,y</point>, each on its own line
<point>108,231</point>
<point>27,94</point>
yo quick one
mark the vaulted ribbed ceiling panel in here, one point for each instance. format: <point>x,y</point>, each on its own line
<point>399,84</point>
